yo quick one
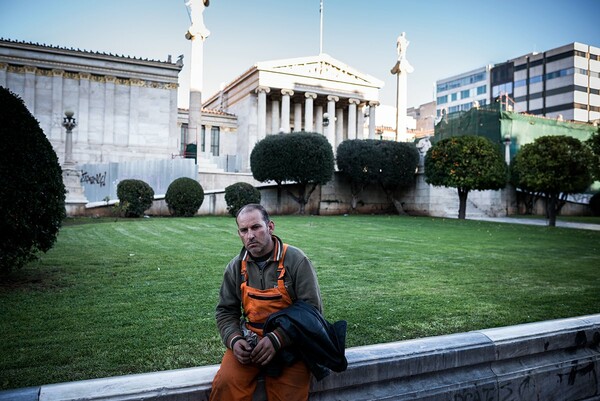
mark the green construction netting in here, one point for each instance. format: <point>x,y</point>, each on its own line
<point>497,125</point>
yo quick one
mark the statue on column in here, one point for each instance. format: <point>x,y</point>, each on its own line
<point>196,8</point>
<point>423,146</point>
<point>402,64</point>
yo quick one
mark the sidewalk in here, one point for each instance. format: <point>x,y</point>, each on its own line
<point>540,222</point>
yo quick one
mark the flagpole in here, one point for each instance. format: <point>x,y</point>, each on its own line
<point>321,33</point>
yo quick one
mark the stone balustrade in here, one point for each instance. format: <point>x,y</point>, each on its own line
<point>552,360</point>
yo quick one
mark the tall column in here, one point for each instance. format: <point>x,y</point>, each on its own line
<point>298,117</point>
<point>352,118</point>
<point>196,34</point>
<point>331,118</point>
<point>360,123</point>
<point>3,69</point>
<point>308,111</point>
<point>285,109</point>
<point>401,69</point>
<point>275,122</point>
<point>372,118</point>
<point>262,111</point>
<point>319,119</point>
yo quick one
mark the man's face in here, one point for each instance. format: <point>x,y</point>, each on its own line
<point>255,233</point>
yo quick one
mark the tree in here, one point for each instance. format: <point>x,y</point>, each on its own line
<point>355,161</point>
<point>466,163</point>
<point>32,193</point>
<point>390,165</point>
<point>555,166</point>
<point>594,144</point>
<point>305,158</point>
<point>395,169</point>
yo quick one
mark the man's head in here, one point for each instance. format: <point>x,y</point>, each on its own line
<point>255,229</point>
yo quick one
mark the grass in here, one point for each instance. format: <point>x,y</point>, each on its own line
<point>132,296</point>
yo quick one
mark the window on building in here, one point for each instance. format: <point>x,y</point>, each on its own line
<point>481,90</point>
<point>453,97</point>
<point>203,139</point>
<point>502,89</point>
<point>453,109</point>
<point>464,94</point>
<point>442,99</point>
<point>520,82</point>
<point>214,141</point>
<point>183,137</point>
<point>536,79</point>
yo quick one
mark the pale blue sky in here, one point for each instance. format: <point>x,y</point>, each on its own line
<point>446,37</point>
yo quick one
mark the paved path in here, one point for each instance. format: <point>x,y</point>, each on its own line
<point>540,222</point>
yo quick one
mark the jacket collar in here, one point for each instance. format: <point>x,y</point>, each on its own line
<point>275,256</point>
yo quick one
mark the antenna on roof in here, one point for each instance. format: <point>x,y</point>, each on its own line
<point>321,32</point>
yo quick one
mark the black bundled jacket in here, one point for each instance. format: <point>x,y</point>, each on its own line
<point>320,344</point>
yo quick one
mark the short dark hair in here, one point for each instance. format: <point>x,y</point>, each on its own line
<point>254,206</point>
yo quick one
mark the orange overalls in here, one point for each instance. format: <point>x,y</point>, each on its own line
<point>237,382</point>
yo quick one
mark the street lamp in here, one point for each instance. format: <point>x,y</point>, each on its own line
<point>325,119</point>
<point>69,123</point>
<point>507,148</point>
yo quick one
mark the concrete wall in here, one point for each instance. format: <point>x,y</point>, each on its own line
<point>335,198</point>
<point>556,360</point>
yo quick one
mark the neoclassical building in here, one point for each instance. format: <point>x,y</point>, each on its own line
<point>125,107</point>
<point>318,94</point>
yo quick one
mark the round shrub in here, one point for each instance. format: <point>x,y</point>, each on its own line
<point>135,197</point>
<point>184,197</point>
<point>240,194</point>
<point>32,193</point>
<point>595,204</point>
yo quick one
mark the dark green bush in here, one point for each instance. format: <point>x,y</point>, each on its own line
<point>135,197</point>
<point>32,193</point>
<point>184,197</point>
<point>240,194</point>
<point>595,204</point>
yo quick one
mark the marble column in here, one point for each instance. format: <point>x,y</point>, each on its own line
<point>262,111</point>
<point>275,122</point>
<point>360,123</point>
<point>297,117</point>
<point>352,103</point>
<point>339,127</point>
<point>331,100</point>
<point>319,119</point>
<point>3,69</point>
<point>308,111</point>
<point>83,107</point>
<point>285,109</point>
<point>372,118</point>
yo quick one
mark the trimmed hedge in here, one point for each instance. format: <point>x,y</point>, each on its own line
<point>184,197</point>
<point>240,194</point>
<point>32,193</point>
<point>135,197</point>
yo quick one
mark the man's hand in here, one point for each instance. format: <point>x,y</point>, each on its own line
<point>241,350</point>
<point>263,353</point>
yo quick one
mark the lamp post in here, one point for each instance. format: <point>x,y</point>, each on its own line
<point>507,148</point>
<point>69,123</point>
<point>75,200</point>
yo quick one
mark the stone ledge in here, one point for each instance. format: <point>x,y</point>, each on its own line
<point>552,360</point>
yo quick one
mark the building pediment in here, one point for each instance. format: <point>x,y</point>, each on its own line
<point>322,67</point>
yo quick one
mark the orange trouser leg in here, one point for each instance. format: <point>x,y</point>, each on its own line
<point>292,385</point>
<point>234,381</point>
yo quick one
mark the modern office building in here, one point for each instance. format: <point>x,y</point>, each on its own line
<point>461,92</point>
<point>559,83</point>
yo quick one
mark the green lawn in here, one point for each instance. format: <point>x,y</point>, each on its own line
<point>131,296</point>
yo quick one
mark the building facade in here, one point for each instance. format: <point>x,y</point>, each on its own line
<point>559,83</point>
<point>126,108</point>
<point>313,94</point>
